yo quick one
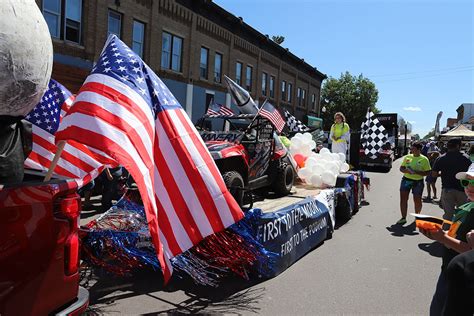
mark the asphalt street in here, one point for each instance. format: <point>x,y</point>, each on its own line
<point>370,266</point>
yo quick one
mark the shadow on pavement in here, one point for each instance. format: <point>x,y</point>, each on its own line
<point>435,249</point>
<point>400,230</point>
<point>236,297</point>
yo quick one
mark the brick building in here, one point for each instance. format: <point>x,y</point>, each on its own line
<point>189,44</point>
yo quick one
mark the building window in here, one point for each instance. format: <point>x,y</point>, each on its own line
<point>73,20</point>
<point>264,83</point>
<point>248,78</point>
<point>298,96</point>
<point>64,19</point>
<point>138,37</point>
<point>313,101</point>
<point>115,23</point>
<point>52,15</point>
<point>171,52</point>
<point>303,97</point>
<point>218,68</point>
<point>283,90</point>
<point>289,92</point>
<point>238,73</point>
<point>272,87</point>
<point>203,62</point>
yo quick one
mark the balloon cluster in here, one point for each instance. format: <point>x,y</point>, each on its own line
<point>315,169</point>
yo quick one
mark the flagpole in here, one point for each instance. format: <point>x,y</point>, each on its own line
<point>59,150</point>
<point>256,115</point>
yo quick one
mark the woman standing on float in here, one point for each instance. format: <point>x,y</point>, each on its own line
<point>340,134</point>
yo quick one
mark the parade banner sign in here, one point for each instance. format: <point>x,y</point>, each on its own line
<point>293,231</point>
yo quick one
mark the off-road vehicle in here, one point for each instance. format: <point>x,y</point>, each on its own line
<point>246,154</point>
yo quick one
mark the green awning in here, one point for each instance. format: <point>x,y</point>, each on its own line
<point>315,122</point>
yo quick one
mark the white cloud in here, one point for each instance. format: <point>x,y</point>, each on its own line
<point>412,108</point>
<point>412,122</point>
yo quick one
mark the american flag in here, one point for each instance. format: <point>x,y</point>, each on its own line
<point>124,109</point>
<point>77,161</point>
<point>268,111</point>
<point>218,109</point>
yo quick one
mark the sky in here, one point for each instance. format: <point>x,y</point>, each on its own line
<point>419,53</point>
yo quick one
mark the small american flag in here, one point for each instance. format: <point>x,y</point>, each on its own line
<point>268,111</point>
<point>77,161</point>
<point>125,110</point>
<point>218,109</point>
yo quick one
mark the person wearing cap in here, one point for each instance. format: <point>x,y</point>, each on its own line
<point>448,165</point>
<point>454,240</point>
<point>414,167</point>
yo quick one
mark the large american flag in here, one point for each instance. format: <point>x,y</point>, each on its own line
<point>216,109</point>
<point>125,110</point>
<point>77,161</point>
<point>271,113</point>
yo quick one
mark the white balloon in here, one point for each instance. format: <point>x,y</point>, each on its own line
<point>317,169</point>
<point>298,135</point>
<point>307,136</point>
<point>305,150</point>
<point>324,150</point>
<point>328,177</point>
<point>312,144</point>
<point>342,157</point>
<point>327,156</point>
<point>296,141</point>
<point>294,149</point>
<point>304,173</point>
<point>316,180</point>
<point>311,161</point>
<point>345,167</point>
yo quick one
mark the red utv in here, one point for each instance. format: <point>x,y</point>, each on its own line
<point>246,154</point>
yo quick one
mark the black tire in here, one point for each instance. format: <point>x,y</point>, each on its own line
<point>233,181</point>
<point>283,179</point>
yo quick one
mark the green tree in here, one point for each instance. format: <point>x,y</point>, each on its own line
<point>430,134</point>
<point>278,39</point>
<point>350,95</point>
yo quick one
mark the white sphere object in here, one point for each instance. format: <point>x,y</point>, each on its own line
<point>345,167</point>
<point>327,156</point>
<point>324,150</point>
<point>26,56</point>
<point>328,177</point>
<point>304,173</point>
<point>318,169</point>
<point>311,161</point>
<point>296,141</point>
<point>316,180</point>
<point>294,149</point>
<point>307,136</point>
<point>312,144</point>
<point>298,135</point>
<point>342,157</point>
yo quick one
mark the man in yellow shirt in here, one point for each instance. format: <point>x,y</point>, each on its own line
<point>414,167</point>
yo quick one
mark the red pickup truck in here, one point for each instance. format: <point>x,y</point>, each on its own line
<point>39,248</point>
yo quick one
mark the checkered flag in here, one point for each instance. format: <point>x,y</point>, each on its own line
<point>293,124</point>
<point>373,135</point>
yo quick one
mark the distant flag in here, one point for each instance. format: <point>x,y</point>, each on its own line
<point>373,135</point>
<point>218,109</point>
<point>271,113</point>
<point>125,110</point>
<point>77,161</point>
<point>293,124</point>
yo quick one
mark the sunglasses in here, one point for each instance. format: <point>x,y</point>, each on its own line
<point>466,182</point>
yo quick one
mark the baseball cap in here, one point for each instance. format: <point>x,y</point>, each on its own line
<point>462,175</point>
